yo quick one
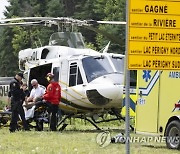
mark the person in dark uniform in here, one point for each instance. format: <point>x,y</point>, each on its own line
<point>17,96</point>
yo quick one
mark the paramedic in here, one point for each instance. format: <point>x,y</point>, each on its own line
<point>52,96</point>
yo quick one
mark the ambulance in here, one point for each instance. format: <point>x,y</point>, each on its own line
<point>158,105</point>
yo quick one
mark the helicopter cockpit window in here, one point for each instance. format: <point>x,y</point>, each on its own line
<point>96,66</point>
<point>56,73</point>
<point>75,77</point>
<point>118,63</point>
<point>70,39</point>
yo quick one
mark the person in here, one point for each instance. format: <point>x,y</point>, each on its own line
<point>26,93</point>
<point>16,95</point>
<point>8,106</point>
<point>52,96</point>
<point>25,90</point>
<point>36,94</point>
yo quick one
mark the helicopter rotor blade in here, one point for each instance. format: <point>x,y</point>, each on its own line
<point>112,22</point>
<point>64,20</point>
<point>22,24</point>
<point>48,21</point>
<point>26,18</point>
<point>58,20</point>
<point>104,33</point>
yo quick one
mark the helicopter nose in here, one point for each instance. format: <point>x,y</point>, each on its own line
<point>103,96</point>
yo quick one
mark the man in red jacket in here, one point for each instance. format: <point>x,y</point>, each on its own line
<point>53,96</point>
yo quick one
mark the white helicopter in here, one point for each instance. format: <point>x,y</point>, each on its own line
<point>92,82</point>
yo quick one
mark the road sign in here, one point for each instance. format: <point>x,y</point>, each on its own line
<point>154,34</point>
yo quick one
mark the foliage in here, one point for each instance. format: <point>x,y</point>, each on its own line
<point>8,60</point>
<point>113,10</point>
<point>2,104</point>
<point>90,45</point>
<point>55,8</point>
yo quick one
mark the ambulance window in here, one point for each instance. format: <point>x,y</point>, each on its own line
<point>56,73</point>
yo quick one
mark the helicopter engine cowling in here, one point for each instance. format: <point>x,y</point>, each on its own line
<point>96,98</point>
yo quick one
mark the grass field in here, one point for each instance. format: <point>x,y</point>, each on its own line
<point>76,139</point>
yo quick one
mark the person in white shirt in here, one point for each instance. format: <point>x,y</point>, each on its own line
<point>36,93</point>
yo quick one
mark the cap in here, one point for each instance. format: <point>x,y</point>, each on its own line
<point>20,74</point>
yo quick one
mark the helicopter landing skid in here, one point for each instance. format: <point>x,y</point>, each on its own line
<point>62,121</point>
<point>72,115</point>
<point>93,121</point>
<point>119,117</point>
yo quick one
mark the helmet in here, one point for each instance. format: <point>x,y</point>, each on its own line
<point>49,76</point>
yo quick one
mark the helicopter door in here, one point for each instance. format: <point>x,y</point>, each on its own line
<point>75,90</point>
<point>39,73</point>
<point>75,77</point>
<point>56,70</point>
<point>64,77</point>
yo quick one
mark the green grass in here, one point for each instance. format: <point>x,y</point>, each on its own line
<point>76,139</point>
<point>2,104</point>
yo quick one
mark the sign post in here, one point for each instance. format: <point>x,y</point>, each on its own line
<point>127,80</point>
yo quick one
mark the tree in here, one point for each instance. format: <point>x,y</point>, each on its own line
<point>8,61</point>
<point>114,10</point>
<point>15,39</point>
<point>55,8</point>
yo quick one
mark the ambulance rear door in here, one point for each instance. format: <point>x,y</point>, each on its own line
<point>147,101</point>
